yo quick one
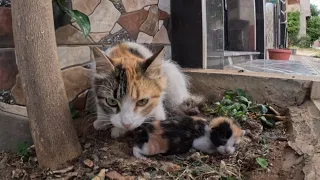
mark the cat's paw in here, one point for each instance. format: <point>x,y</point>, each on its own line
<point>117,132</point>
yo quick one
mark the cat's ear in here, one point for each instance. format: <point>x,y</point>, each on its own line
<point>103,63</point>
<point>153,65</point>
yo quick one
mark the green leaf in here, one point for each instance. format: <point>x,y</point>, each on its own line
<point>234,112</point>
<point>259,109</point>
<point>243,99</point>
<point>61,2</point>
<point>241,92</point>
<point>243,107</point>
<point>264,109</point>
<point>244,118</point>
<point>268,123</point>
<point>81,19</point>
<point>227,97</point>
<point>262,162</point>
<point>226,102</point>
<point>229,93</point>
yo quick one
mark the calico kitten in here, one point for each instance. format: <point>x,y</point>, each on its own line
<point>171,136</point>
<point>178,135</point>
<point>131,85</point>
<point>224,135</point>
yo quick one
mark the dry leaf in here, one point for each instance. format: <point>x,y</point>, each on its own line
<point>114,175</point>
<point>170,167</point>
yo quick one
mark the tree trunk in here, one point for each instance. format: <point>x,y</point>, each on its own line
<point>52,130</point>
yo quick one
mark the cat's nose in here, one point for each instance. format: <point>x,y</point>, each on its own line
<point>126,125</point>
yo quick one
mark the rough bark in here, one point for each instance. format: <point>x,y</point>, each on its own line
<point>50,119</point>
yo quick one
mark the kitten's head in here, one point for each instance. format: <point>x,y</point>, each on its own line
<point>128,87</point>
<point>225,134</point>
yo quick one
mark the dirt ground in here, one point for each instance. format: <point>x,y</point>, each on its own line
<point>101,151</point>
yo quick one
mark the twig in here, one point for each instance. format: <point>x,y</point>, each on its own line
<point>278,118</point>
<point>274,111</point>
<point>68,176</point>
<point>62,171</point>
<point>182,173</point>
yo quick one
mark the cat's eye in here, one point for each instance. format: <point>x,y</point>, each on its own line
<point>142,102</point>
<point>112,102</point>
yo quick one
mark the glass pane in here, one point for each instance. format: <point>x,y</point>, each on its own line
<point>215,33</point>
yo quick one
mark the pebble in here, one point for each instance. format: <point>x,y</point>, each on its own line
<point>95,157</point>
<point>87,145</point>
<point>88,163</point>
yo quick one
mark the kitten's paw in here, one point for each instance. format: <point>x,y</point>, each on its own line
<point>222,149</point>
<point>117,132</point>
<point>137,154</point>
<point>230,150</point>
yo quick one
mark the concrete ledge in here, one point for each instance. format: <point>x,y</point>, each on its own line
<point>282,92</point>
<point>13,109</point>
<point>315,91</point>
<point>14,129</point>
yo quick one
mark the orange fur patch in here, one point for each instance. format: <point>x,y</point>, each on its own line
<point>156,143</point>
<point>236,129</point>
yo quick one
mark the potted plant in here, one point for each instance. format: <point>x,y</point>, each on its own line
<point>279,54</point>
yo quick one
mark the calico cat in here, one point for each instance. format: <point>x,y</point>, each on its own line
<point>132,84</point>
<point>224,135</point>
<point>174,135</point>
<point>178,135</point>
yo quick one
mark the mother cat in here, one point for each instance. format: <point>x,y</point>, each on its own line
<point>133,85</point>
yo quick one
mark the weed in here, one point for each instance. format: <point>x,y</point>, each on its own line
<point>22,150</point>
<point>74,112</point>
<point>262,162</point>
<point>237,105</point>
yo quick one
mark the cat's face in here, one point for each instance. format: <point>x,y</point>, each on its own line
<point>225,135</point>
<point>128,88</point>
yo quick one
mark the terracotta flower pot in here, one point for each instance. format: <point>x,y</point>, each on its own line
<point>279,54</point>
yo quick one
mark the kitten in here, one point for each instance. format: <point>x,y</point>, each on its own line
<point>178,135</point>
<point>171,136</point>
<point>224,135</point>
<point>131,85</point>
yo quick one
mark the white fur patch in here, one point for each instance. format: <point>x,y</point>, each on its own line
<point>204,143</point>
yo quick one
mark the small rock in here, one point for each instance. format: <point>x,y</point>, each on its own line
<point>95,157</point>
<point>195,156</point>
<point>87,145</point>
<point>114,175</point>
<point>18,173</point>
<point>105,149</point>
<point>3,161</point>
<point>35,176</point>
<point>96,168</point>
<point>147,175</point>
<point>88,163</point>
<point>34,159</point>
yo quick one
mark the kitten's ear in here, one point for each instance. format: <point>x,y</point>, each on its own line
<point>103,63</point>
<point>153,65</point>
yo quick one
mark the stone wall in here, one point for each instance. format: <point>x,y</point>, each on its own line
<point>112,21</point>
<point>143,21</point>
